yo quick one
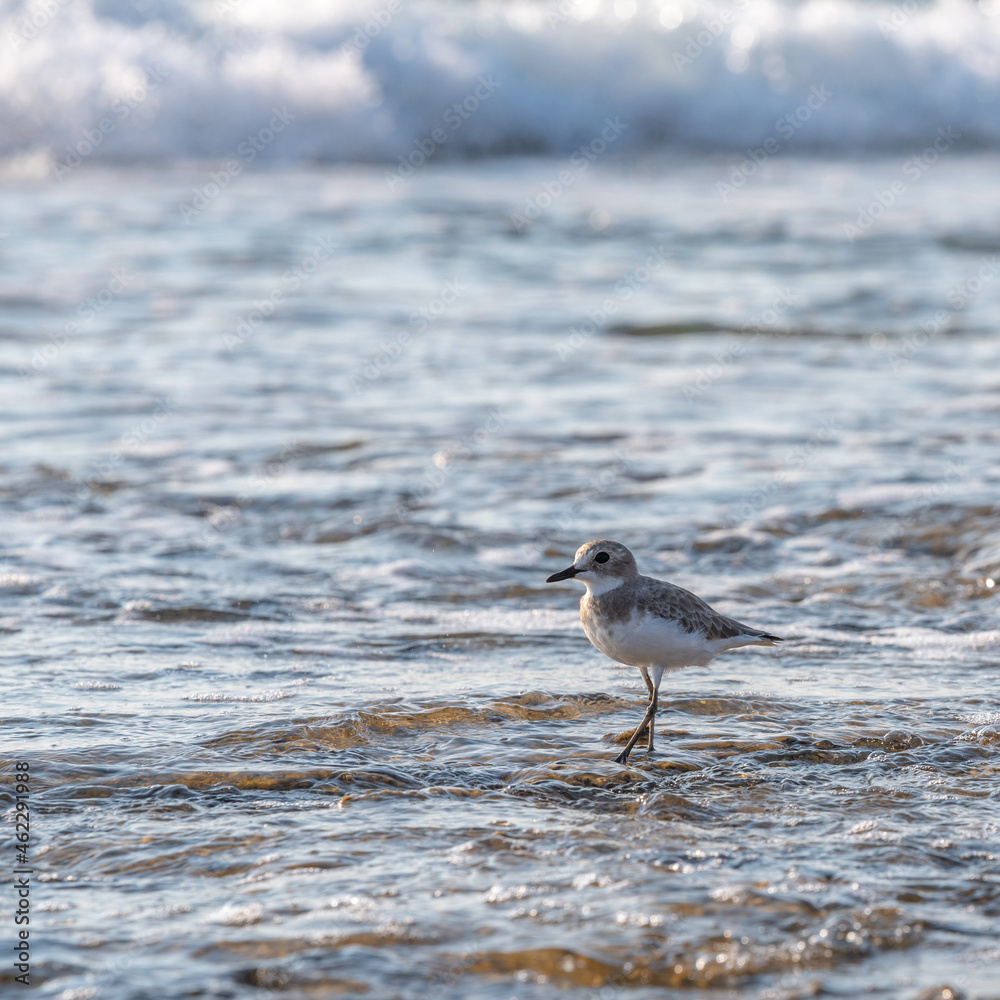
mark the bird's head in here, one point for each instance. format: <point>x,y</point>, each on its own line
<point>602,565</point>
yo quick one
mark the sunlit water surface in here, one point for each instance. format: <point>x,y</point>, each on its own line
<point>303,718</point>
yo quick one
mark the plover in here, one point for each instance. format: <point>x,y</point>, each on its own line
<point>648,623</point>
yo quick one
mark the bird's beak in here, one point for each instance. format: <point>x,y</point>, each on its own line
<point>564,574</point>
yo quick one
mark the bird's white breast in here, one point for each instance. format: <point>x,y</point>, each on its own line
<point>646,640</point>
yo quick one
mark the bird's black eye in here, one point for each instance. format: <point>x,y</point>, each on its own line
<point>601,557</point>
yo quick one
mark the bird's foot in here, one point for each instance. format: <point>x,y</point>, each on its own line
<point>622,758</point>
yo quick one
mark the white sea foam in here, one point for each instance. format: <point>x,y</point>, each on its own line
<point>491,620</point>
<point>934,644</point>
<point>89,80</point>
<point>275,694</point>
<point>239,914</point>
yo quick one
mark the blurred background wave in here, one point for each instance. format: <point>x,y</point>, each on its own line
<point>365,80</point>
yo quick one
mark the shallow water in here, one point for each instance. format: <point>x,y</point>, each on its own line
<point>303,718</point>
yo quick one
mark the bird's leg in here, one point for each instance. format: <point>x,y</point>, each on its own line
<point>649,687</point>
<point>653,701</point>
<point>649,683</point>
<point>651,711</point>
<point>622,758</point>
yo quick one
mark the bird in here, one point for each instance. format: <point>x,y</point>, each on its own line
<point>648,623</point>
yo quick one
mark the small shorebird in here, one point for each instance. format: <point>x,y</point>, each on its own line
<point>648,623</point>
